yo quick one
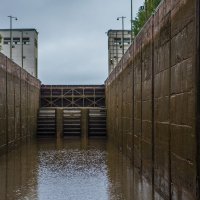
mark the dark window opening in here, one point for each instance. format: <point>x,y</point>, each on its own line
<point>127,40</point>
<point>6,40</point>
<point>117,40</point>
<point>16,40</point>
<point>26,40</point>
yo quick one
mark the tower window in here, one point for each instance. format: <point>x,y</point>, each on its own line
<point>126,40</point>
<point>6,40</point>
<point>26,40</point>
<point>16,40</point>
<point>117,40</point>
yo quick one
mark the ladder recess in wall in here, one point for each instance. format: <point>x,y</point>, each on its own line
<point>71,123</point>
<point>46,124</point>
<point>97,123</point>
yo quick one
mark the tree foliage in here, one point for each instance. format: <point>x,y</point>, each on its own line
<point>143,15</point>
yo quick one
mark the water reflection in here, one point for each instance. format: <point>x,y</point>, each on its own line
<point>18,173</point>
<point>66,170</point>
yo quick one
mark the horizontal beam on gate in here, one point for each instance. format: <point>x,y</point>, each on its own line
<point>72,96</point>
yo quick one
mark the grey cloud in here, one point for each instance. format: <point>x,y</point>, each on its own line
<point>72,39</point>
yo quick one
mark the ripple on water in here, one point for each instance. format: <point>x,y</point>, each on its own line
<point>73,174</point>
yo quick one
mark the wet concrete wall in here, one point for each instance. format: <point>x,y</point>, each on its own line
<point>19,103</point>
<point>152,98</point>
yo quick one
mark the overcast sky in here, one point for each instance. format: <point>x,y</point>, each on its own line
<point>72,39</point>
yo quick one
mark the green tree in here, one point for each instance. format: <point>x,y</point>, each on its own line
<point>144,13</point>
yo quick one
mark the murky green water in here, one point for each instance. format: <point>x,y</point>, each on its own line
<point>65,170</point>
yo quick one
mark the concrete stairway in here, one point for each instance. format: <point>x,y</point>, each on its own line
<point>97,122</point>
<point>46,123</point>
<point>71,123</point>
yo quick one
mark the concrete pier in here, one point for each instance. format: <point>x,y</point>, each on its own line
<point>59,122</point>
<point>84,123</point>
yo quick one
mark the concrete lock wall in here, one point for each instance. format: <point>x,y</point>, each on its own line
<point>19,103</point>
<point>152,99</point>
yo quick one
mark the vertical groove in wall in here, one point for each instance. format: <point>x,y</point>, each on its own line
<point>6,103</point>
<point>14,88</point>
<point>133,107</point>
<point>152,99</point>
<point>29,114</point>
<point>20,105</point>
<point>121,110</point>
<point>198,98</point>
<point>169,153</point>
<point>141,107</point>
<point>115,92</point>
<point>26,84</point>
